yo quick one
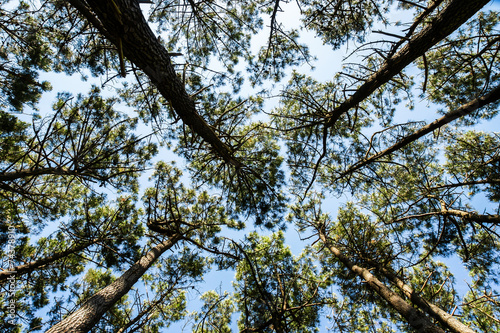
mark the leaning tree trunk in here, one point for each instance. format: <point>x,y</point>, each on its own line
<point>456,13</point>
<point>451,322</point>
<point>416,319</point>
<point>123,24</point>
<point>83,319</point>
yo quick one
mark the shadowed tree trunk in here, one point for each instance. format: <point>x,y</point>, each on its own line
<point>123,24</point>
<point>83,319</point>
<point>451,18</point>
<point>433,310</point>
<point>416,319</point>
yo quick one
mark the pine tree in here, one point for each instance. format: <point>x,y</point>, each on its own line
<point>90,243</point>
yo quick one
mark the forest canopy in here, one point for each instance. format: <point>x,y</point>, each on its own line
<point>249,166</point>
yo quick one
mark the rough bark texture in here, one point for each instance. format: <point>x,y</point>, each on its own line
<point>125,26</point>
<point>83,319</point>
<point>416,319</point>
<point>466,109</point>
<point>453,16</point>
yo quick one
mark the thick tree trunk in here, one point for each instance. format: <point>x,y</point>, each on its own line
<point>433,310</point>
<point>444,317</point>
<point>453,16</point>
<point>122,22</point>
<point>416,319</point>
<point>83,319</point>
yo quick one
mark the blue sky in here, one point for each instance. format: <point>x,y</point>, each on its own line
<point>328,63</point>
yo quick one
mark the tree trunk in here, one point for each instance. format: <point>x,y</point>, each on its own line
<point>453,16</point>
<point>122,23</point>
<point>83,319</point>
<point>473,216</point>
<point>433,310</point>
<point>417,320</point>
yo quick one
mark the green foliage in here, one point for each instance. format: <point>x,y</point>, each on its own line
<point>12,134</point>
<point>23,52</point>
<point>255,187</point>
<point>463,68</point>
<point>94,232</point>
<point>205,29</point>
<point>216,313</point>
<point>316,152</point>
<point>172,208</point>
<point>435,283</point>
<point>368,244</point>
<point>353,315</point>
<point>88,189</point>
<point>339,21</point>
<point>275,290</point>
<point>472,157</point>
<point>480,306</point>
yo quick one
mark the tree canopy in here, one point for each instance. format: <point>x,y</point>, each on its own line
<point>203,139</point>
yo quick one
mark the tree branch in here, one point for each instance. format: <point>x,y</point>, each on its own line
<point>140,46</point>
<point>466,109</point>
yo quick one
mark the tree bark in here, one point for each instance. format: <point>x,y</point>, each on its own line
<point>488,181</point>
<point>473,216</point>
<point>416,319</point>
<point>83,319</point>
<point>451,18</point>
<point>433,310</point>
<point>122,23</point>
